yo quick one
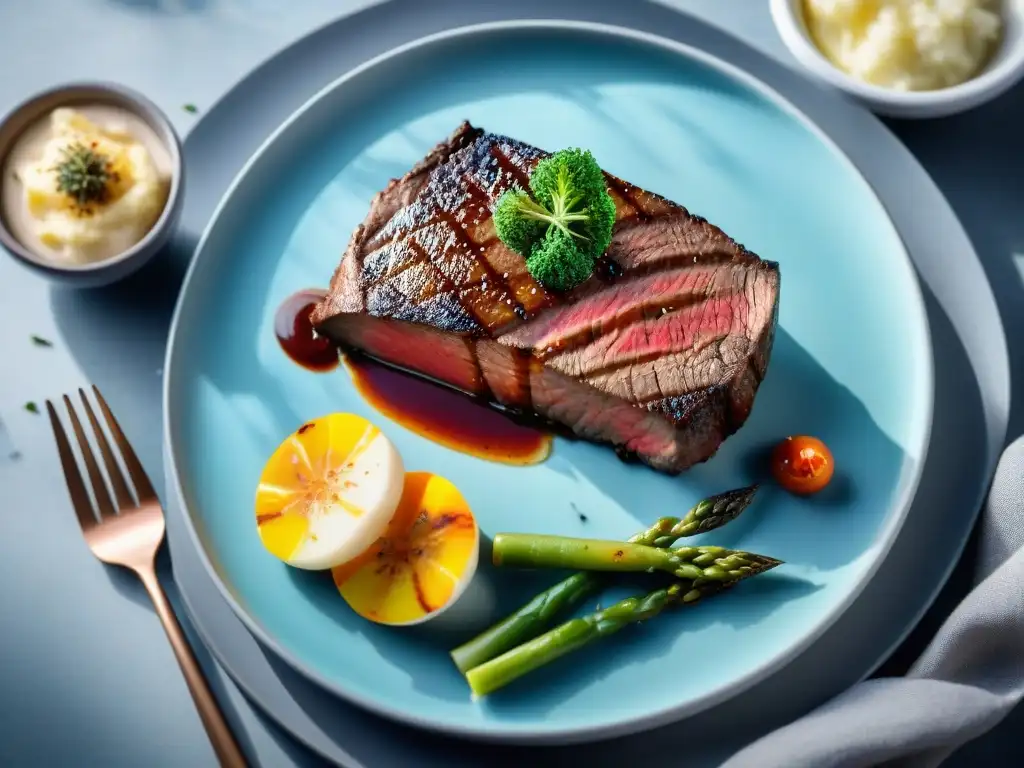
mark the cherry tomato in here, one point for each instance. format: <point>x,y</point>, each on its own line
<point>802,464</point>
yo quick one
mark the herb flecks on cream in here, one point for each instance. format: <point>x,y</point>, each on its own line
<point>84,174</point>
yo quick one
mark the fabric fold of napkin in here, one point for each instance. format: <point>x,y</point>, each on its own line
<point>967,680</point>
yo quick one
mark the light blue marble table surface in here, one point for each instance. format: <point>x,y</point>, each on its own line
<point>86,675</point>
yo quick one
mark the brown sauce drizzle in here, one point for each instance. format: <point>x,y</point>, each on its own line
<point>453,419</point>
<point>447,417</point>
<point>294,332</point>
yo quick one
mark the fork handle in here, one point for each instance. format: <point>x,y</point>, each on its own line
<point>224,744</point>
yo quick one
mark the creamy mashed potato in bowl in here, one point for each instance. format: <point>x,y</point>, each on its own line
<point>94,192</point>
<point>908,58</point>
<point>91,184</point>
<point>909,45</point>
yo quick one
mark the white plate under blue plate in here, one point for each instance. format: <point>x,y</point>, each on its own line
<point>851,364</point>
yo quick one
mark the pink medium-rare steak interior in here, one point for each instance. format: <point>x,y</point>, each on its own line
<point>660,353</point>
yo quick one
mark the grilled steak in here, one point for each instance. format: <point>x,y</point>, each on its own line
<point>659,353</point>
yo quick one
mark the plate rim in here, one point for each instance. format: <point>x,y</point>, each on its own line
<point>884,539</point>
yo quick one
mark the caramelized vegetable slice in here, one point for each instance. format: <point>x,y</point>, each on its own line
<point>328,492</point>
<point>424,561</point>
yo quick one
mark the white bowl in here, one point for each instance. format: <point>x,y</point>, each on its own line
<point>1003,71</point>
<point>106,271</point>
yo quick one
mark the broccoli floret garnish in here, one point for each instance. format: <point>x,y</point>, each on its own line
<point>571,185</point>
<point>566,225</point>
<point>516,229</point>
<point>557,262</point>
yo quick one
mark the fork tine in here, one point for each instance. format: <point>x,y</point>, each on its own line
<point>104,505</point>
<point>143,488</point>
<point>76,488</point>
<point>121,493</point>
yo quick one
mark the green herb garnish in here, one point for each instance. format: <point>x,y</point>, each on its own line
<point>31,407</point>
<point>567,223</point>
<point>190,108</point>
<point>83,174</point>
<point>39,341</point>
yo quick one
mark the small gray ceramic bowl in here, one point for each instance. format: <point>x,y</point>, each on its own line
<point>106,271</point>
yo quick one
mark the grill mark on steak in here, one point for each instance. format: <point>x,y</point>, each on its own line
<point>601,328</point>
<point>401,234</point>
<point>490,249</point>
<point>440,277</point>
<point>625,191</point>
<point>472,248</point>
<point>646,357</point>
<point>679,260</point>
<point>482,201</point>
<point>672,234</point>
<point>520,176</point>
<point>509,173</point>
<point>690,406</point>
<point>689,370</point>
<point>615,354</point>
<point>385,208</point>
<point>439,195</point>
<point>652,304</point>
<point>380,264</point>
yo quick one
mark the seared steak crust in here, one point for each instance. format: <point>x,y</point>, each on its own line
<point>659,353</point>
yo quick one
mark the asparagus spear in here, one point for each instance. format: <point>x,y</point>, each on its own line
<point>713,512</point>
<point>708,563</point>
<point>575,633</point>
<point>537,615</point>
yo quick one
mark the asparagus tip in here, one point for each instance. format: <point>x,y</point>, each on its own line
<point>761,564</point>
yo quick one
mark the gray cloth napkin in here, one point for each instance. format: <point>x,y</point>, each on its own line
<point>966,681</point>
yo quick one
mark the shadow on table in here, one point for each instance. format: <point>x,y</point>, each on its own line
<point>213,674</point>
<point>982,181</point>
<point>955,448</point>
<point>132,317</point>
<point>983,186</point>
<point>128,584</point>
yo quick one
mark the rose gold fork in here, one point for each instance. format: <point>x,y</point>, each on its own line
<point>121,531</point>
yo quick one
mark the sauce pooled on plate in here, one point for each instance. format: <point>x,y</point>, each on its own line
<point>438,413</point>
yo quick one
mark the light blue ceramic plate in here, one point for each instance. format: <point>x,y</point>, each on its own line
<point>851,364</point>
